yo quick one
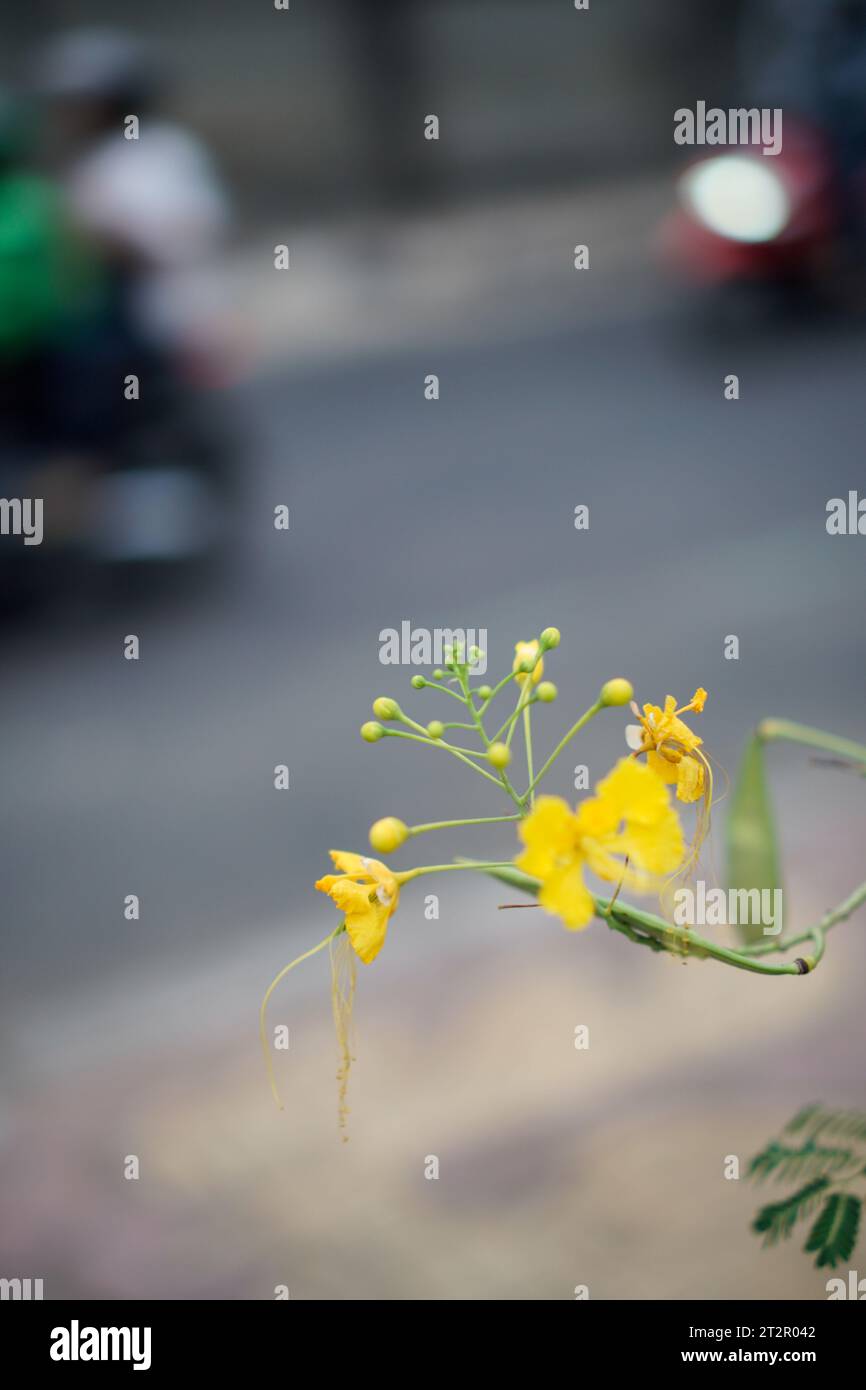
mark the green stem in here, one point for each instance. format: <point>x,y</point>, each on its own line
<point>515,797</point>
<point>575,728</point>
<point>501,686</point>
<point>449,748</point>
<point>437,685</point>
<point>830,918</point>
<point>772,729</point>
<point>449,824</point>
<point>269,1065</point>
<point>527,733</point>
<point>470,705</point>
<point>449,868</point>
<point>522,701</point>
<point>689,943</point>
<point>680,941</point>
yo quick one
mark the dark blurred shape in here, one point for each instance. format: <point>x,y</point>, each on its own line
<point>388,40</point>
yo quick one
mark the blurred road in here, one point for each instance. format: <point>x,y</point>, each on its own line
<point>156,777</point>
<point>706,519</point>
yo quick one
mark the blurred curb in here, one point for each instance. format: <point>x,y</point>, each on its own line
<point>461,274</point>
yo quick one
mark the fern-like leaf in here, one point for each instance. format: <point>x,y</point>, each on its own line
<point>809,1161</point>
<point>803,1118</point>
<point>845,1124</point>
<point>813,1120</point>
<point>834,1234</point>
<point>776,1221</point>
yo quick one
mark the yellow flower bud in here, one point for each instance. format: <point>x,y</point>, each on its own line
<point>524,655</point>
<point>388,834</point>
<point>546,692</point>
<point>550,638</point>
<point>372,732</point>
<point>617,691</point>
<point>498,755</point>
<point>386,708</point>
<point>435,728</point>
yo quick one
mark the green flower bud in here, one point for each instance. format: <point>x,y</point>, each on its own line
<point>498,755</point>
<point>438,674</point>
<point>617,691</point>
<point>435,728</point>
<point>547,692</point>
<point>485,691</point>
<point>550,638</point>
<point>372,732</point>
<point>418,682</point>
<point>386,708</point>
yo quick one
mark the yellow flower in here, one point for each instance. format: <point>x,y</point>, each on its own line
<point>524,653</point>
<point>627,833</point>
<point>367,893</point>
<point>670,745</point>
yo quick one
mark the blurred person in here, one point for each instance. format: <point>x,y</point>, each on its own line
<point>151,203</point>
<point>144,193</point>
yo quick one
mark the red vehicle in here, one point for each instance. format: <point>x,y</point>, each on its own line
<point>746,217</point>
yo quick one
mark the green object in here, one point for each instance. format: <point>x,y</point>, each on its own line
<point>753,856</point>
<point>834,1234</point>
<point>832,1177</point>
<point>810,1160</point>
<point>47,280</point>
<point>777,1220</point>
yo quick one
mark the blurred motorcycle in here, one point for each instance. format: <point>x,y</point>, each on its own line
<point>110,356</point>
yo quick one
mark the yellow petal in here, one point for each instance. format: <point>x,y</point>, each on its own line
<point>661,767</point>
<point>359,865</point>
<point>567,897</point>
<point>633,790</point>
<point>362,905</point>
<point>690,780</point>
<point>367,930</point>
<point>527,651</point>
<point>549,834</point>
<point>657,848</point>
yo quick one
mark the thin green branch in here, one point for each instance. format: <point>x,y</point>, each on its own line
<point>678,940</point>
<point>772,730</point>
<point>575,728</point>
<point>836,914</point>
<point>450,824</point>
<point>527,735</point>
<point>448,748</point>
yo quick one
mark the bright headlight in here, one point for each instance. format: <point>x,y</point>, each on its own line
<point>737,197</point>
